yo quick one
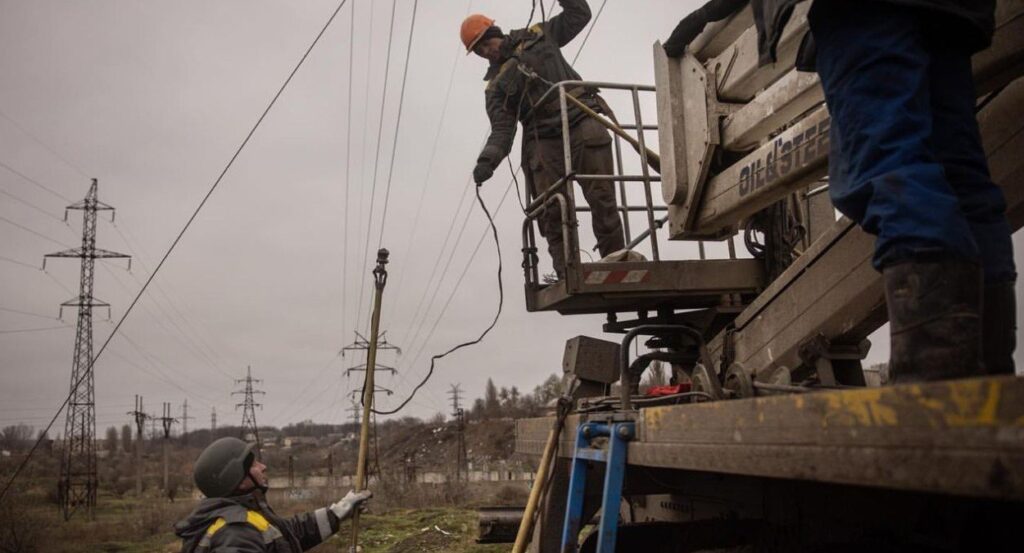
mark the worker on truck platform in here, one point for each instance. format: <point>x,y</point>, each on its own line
<point>235,517</point>
<point>523,65</point>
<point>907,165</point>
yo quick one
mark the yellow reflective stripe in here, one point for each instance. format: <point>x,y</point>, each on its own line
<point>257,520</point>
<point>254,518</point>
<point>217,525</point>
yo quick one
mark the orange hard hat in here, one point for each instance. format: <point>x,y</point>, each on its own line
<point>473,28</point>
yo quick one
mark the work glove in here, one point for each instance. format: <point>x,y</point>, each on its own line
<point>352,500</point>
<point>481,173</point>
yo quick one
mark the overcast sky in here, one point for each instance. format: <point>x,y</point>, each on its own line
<point>152,98</point>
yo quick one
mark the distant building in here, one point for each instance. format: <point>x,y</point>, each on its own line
<point>297,441</point>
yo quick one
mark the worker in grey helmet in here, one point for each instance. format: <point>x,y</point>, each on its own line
<point>524,63</point>
<point>235,517</point>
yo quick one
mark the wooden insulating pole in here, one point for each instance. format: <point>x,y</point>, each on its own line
<point>540,482</point>
<point>380,278</point>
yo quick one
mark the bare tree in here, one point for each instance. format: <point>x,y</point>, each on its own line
<point>549,390</point>
<point>492,405</point>
<point>111,440</point>
<point>16,437</point>
<point>126,438</point>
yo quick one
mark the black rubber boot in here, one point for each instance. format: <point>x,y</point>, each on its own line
<point>934,319</point>
<point>999,328</point>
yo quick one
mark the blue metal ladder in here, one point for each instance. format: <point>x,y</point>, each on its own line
<point>619,434</point>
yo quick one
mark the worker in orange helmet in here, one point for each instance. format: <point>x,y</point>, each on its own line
<point>523,65</point>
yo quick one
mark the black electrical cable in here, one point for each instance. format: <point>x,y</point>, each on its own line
<point>497,315</point>
<point>88,370</point>
<point>519,193</point>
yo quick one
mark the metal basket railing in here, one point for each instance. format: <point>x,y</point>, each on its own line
<point>563,192</point>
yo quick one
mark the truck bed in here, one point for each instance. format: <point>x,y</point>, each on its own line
<point>962,437</point>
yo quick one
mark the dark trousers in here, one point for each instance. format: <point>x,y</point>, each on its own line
<point>544,164</point>
<point>906,159</point>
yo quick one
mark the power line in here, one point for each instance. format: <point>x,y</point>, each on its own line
<point>30,180</point>
<point>22,330</point>
<point>430,165</point>
<point>444,272</point>
<point>348,172</point>
<point>195,340</point>
<point>21,466</point>
<point>31,205</point>
<point>154,371</point>
<point>166,290</point>
<point>586,36</point>
<point>28,313</point>
<point>16,262</point>
<point>309,384</point>
<point>398,123</point>
<point>437,261</point>
<point>362,157</point>
<point>46,147</point>
<point>182,337</point>
<point>30,231</point>
<point>458,282</point>
<point>376,159</point>
<point>57,282</point>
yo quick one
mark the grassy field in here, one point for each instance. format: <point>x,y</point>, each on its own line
<point>409,530</point>
<point>132,526</point>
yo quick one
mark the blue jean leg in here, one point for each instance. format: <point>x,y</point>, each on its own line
<point>874,66</point>
<point>956,142</point>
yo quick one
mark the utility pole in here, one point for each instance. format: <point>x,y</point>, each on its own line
<point>330,468</point>
<point>166,421</point>
<point>140,424</point>
<point>77,484</point>
<point>410,468</point>
<point>357,414</point>
<point>291,472</point>
<point>213,423</point>
<point>459,417</point>
<point>184,422</point>
<point>249,430</point>
<point>380,279</point>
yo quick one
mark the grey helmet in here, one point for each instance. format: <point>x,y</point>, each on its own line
<point>222,466</point>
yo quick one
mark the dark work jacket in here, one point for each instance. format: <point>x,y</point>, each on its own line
<point>771,17</point>
<point>512,90</point>
<point>246,524</point>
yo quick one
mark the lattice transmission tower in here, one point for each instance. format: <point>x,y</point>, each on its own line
<point>77,485</point>
<point>362,344</point>
<point>250,432</point>
<point>459,418</point>
<point>185,417</point>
